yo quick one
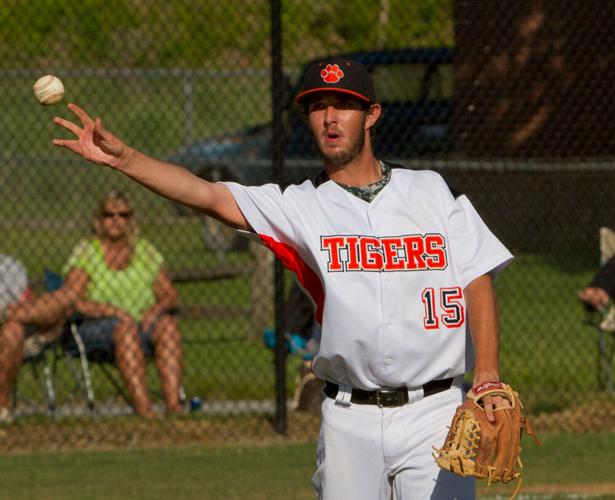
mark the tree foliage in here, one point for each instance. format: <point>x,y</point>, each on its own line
<point>216,34</point>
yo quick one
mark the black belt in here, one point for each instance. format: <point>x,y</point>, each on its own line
<point>388,397</point>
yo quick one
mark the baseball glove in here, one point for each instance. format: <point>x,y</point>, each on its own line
<point>482,449</point>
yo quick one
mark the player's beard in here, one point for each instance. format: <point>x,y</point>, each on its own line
<point>345,156</point>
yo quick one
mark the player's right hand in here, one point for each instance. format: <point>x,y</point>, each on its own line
<point>94,142</point>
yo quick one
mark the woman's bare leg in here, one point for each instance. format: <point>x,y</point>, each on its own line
<point>169,359</point>
<point>131,363</point>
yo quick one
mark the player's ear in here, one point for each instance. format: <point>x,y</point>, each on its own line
<point>373,115</point>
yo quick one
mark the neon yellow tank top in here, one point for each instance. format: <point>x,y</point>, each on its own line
<point>130,289</point>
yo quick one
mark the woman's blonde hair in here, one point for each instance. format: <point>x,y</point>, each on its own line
<point>124,197</point>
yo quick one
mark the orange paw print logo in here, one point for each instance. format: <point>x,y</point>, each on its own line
<point>332,73</point>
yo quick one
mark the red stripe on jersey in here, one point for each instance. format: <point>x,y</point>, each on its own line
<point>292,261</point>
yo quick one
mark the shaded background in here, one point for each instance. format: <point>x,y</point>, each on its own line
<point>516,113</point>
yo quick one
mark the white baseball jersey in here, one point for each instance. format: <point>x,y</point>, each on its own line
<point>387,277</point>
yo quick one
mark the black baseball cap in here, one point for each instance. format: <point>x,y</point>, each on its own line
<point>338,75</point>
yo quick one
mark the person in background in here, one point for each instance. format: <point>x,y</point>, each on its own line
<point>126,296</point>
<point>602,287</point>
<point>22,334</point>
<point>303,338</point>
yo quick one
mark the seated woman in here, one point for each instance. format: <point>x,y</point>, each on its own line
<point>602,287</point>
<point>126,296</point>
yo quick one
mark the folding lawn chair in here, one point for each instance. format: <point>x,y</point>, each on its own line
<point>43,357</point>
<point>604,321</point>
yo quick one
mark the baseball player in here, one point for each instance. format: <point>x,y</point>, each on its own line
<point>400,269</point>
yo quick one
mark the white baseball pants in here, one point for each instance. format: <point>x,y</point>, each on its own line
<point>370,453</point>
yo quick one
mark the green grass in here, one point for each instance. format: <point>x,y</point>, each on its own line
<point>547,353</point>
<point>564,461</point>
<point>569,459</point>
<point>274,472</point>
<point>225,473</point>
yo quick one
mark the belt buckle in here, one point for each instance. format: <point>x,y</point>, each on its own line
<point>386,398</point>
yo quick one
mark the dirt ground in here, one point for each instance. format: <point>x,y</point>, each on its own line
<point>594,489</point>
<point>550,489</point>
<point>595,416</point>
<point>133,432</point>
<point>104,433</point>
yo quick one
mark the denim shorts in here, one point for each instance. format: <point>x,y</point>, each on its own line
<point>97,336</point>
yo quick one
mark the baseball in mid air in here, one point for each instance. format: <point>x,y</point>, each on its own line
<point>49,90</point>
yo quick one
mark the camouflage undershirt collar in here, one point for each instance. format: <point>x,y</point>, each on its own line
<point>369,192</point>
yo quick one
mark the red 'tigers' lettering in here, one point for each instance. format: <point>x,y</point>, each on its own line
<point>413,252</point>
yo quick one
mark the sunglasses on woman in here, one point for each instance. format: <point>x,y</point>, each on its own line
<point>123,215</point>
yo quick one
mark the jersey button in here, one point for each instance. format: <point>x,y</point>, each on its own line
<point>388,361</point>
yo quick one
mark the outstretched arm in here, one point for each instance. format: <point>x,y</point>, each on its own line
<point>98,145</point>
<point>51,307</point>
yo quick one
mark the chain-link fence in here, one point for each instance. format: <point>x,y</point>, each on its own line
<point>510,101</point>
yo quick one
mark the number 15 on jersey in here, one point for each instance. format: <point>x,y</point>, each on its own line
<point>443,306</point>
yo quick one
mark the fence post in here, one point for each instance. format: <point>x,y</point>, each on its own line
<point>277,158</point>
